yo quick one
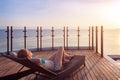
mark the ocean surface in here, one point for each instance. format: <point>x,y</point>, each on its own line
<point>111,39</point>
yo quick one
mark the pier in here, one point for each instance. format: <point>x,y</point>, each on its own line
<point>97,66</point>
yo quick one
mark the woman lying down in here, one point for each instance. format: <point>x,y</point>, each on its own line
<point>54,63</point>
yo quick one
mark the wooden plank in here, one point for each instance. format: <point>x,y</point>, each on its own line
<point>104,72</point>
<point>113,67</point>
<point>92,67</point>
<point>13,69</point>
<point>86,69</point>
<point>4,63</point>
<point>95,67</point>
<point>99,67</point>
<point>110,70</point>
<point>84,74</point>
<point>7,67</point>
<point>90,72</point>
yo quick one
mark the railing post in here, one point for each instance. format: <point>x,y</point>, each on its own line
<point>96,39</point>
<point>11,33</point>
<point>25,37</point>
<point>37,38</point>
<point>40,38</point>
<point>7,39</point>
<point>64,36</point>
<point>52,38</point>
<point>101,41</point>
<point>89,37</point>
<point>92,38</point>
<point>78,38</point>
<point>67,37</point>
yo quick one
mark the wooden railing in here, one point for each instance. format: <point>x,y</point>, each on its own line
<point>65,38</point>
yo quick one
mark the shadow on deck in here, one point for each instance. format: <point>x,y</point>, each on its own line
<point>97,68</point>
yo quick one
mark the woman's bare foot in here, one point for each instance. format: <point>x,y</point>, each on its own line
<point>66,61</point>
<point>69,56</point>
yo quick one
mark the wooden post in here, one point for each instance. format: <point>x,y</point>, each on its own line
<point>78,38</point>
<point>92,38</point>
<point>89,37</point>
<point>64,36</point>
<point>52,38</point>
<point>37,38</point>
<point>67,37</point>
<point>101,41</point>
<point>11,33</point>
<point>40,38</point>
<point>7,39</point>
<point>96,39</point>
<point>25,37</point>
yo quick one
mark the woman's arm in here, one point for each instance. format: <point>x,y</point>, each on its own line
<point>36,60</point>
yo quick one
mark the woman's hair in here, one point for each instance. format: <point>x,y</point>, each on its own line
<point>24,53</point>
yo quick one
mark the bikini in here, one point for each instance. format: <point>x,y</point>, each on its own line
<point>54,67</point>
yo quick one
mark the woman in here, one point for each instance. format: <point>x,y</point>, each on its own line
<point>54,63</point>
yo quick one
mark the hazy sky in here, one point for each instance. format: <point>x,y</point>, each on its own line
<point>75,13</point>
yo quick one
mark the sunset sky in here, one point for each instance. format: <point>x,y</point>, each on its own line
<point>75,13</point>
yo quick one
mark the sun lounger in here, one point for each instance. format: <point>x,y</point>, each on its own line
<point>67,69</point>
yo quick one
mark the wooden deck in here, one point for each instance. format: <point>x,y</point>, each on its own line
<point>96,68</point>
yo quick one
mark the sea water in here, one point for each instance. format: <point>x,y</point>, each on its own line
<point>111,39</point>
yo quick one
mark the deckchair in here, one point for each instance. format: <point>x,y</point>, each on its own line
<point>42,72</point>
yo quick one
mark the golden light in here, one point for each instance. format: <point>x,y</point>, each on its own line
<point>119,39</point>
<point>113,14</point>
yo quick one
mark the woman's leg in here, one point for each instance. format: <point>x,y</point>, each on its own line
<point>67,56</point>
<point>54,54</point>
<point>58,58</point>
<point>52,57</point>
